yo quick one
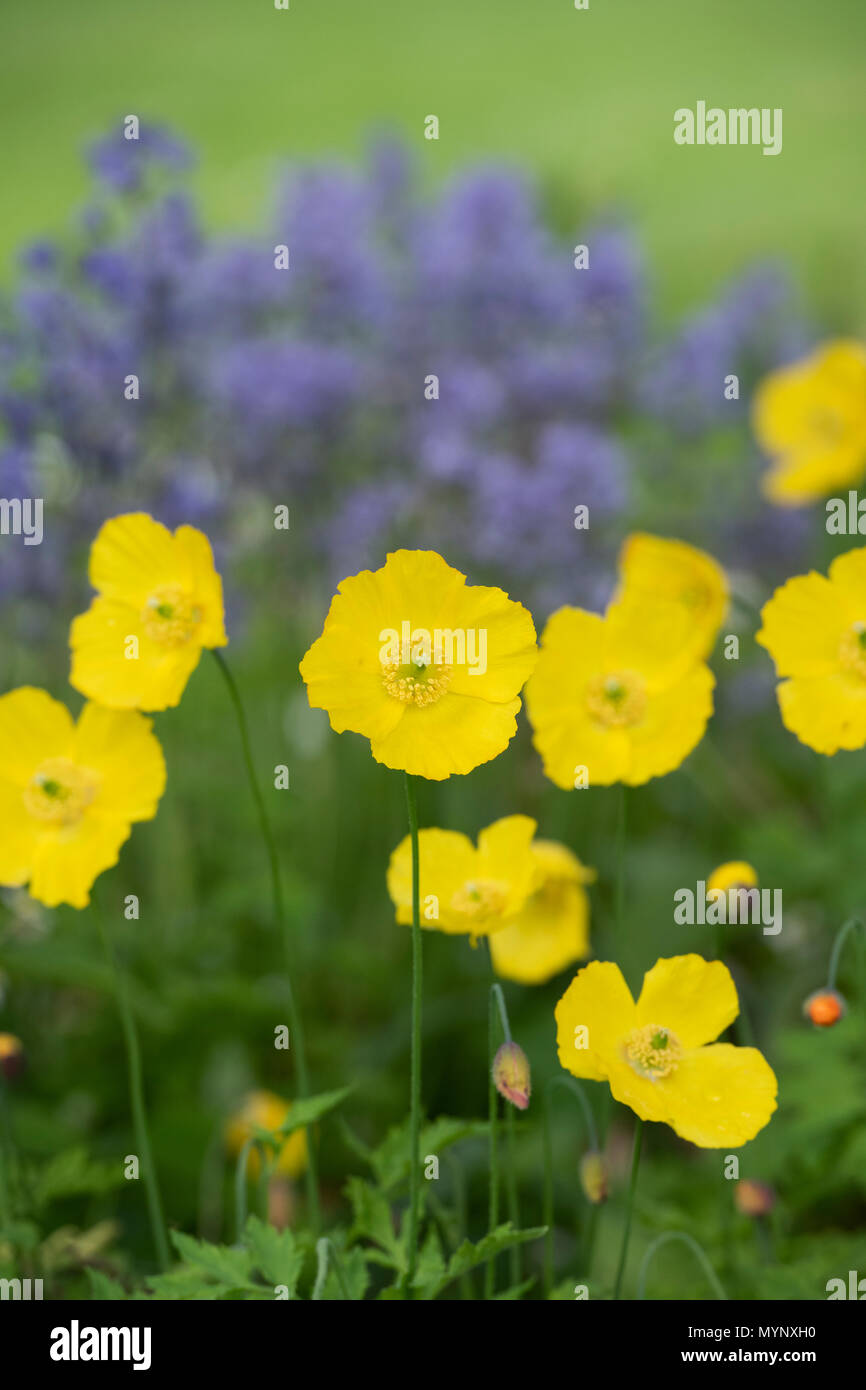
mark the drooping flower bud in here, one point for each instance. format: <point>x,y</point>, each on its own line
<point>825,1007</point>
<point>593,1177</point>
<point>12,1057</point>
<point>753,1198</point>
<point>511,1075</point>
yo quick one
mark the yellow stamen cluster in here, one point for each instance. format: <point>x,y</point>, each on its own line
<point>652,1051</point>
<point>415,683</point>
<point>617,700</point>
<point>479,899</point>
<point>60,792</point>
<point>852,650</point>
<point>170,617</point>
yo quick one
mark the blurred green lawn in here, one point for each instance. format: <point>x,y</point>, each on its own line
<point>584,98</point>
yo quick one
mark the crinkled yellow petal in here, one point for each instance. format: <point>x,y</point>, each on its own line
<point>131,557</point>
<point>721,1096</point>
<point>121,747</point>
<point>68,861</point>
<point>447,860</point>
<point>848,576</point>
<point>695,999</point>
<point>648,1099</point>
<point>101,670</point>
<point>598,1000</point>
<point>501,630</point>
<point>551,931</point>
<point>673,725</point>
<point>194,557</point>
<point>455,735</point>
<point>505,855</point>
<point>803,625</point>
<point>33,727</point>
<point>735,873</point>
<point>18,838</point>
<point>826,713</point>
<point>655,570</point>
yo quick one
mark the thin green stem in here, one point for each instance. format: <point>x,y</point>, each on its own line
<point>325,1252</point>
<point>496,990</point>
<point>295,1022</point>
<point>136,1095</point>
<point>493,1107</point>
<point>241,1187</point>
<point>570,1084</point>
<point>621,826</point>
<point>841,937</point>
<point>415,1080</point>
<point>635,1164</point>
<point>512,1192</point>
<point>747,608</point>
<point>696,1250</point>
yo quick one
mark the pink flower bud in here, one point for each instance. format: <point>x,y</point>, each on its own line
<point>511,1075</point>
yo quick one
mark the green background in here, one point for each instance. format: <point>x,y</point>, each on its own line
<point>585,99</point>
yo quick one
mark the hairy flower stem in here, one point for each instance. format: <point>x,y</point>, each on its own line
<point>136,1095</point>
<point>415,1081</point>
<point>493,1107</point>
<point>842,935</point>
<point>296,1028</point>
<point>570,1084</point>
<point>619,898</point>
<point>635,1164</point>
<point>698,1252</point>
<point>497,995</point>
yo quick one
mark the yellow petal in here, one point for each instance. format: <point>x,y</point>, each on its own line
<point>721,1096</point>
<point>33,727</point>
<point>803,626</point>
<point>505,854</point>
<point>121,747</point>
<point>18,838</point>
<point>446,861</point>
<point>825,712</point>
<point>599,1001</point>
<point>194,557</point>
<point>67,862</point>
<point>131,556</point>
<point>551,931</point>
<point>654,570</point>
<point>454,735</point>
<point>101,669</point>
<point>695,999</point>
<point>673,725</point>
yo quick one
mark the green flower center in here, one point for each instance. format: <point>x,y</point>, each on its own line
<point>171,616</point>
<point>652,1051</point>
<point>60,792</point>
<point>415,683</point>
<point>616,700</point>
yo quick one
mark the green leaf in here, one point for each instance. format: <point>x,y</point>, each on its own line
<point>306,1112</point>
<point>72,1174</point>
<point>467,1256</point>
<point>355,1274</point>
<point>104,1288</point>
<point>229,1265</point>
<point>277,1255</point>
<point>372,1218</point>
<point>390,1161</point>
<point>515,1292</point>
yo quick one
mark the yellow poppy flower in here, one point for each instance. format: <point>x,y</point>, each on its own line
<point>551,930</point>
<point>464,889</point>
<point>425,666</point>
<point>617,699</point>
<point>264,1110</point>
<point>811,419</point>
<point>652,569</point>
<point>69,793</point>
<point>815,630</point>
<point>658,1054</point>
<point>736,873</point>
<point>159,604</point>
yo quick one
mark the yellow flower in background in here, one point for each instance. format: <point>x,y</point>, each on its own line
<point>425,666</point>
<point>620,697</point>
<point>265,1110</point>
<point>69,793</point>
<point>736,873</point>
<point>652,569</point>
<point>159,603</point>
<point>464,889</point>
<point>815,630</point>
<point>551,930</point>
<point>658,1054</point>
<point>811,419</point>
